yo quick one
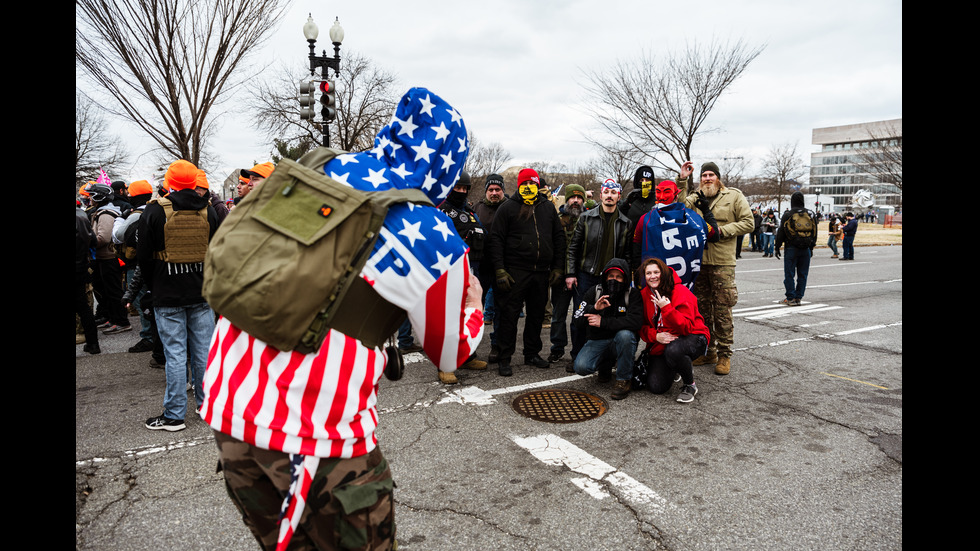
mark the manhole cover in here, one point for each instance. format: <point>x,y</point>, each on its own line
<point>559,405</point>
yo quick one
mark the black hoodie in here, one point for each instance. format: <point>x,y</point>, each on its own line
<point>170,284</point>
<point>624,311</point>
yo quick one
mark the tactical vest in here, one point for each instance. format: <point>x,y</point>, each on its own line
<point>468,227</point>
<point>185,234</point>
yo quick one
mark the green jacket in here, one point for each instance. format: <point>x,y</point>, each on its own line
<point>734,217</point>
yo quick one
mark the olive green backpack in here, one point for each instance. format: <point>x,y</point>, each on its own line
<point>284,265</point>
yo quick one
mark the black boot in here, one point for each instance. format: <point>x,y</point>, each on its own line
<point>503,368</point>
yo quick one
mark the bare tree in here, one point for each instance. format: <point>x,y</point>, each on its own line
<point>616,162</point>
<point>781,168</point>
<point>366,100</point>
<point>734,169</point>
<point>485,159</point>
<point>658,107</point>
<point>883,159</point>
<point>95,148</point>
<point>166,64</point>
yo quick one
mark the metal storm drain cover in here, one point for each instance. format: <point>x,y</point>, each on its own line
<point>559,405</point>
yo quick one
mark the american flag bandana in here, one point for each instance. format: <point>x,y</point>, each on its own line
<point>609,183</point>
<point>418,253</point>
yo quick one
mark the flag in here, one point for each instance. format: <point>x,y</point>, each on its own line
<point>103,178</point>
<point>676,235</point>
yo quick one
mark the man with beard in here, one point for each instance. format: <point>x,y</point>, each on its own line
<point>485,211</point>
<point>561,296</point>
<point>600,235</point>
<point>715,286</point>
<point>525,236</point>
<point>612,314</point>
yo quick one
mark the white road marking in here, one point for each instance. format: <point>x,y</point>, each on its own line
<point>603,479</point>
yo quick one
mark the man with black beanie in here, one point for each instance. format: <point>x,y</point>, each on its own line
<point>485,211</point>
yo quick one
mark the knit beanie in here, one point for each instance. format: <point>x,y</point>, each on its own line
<point>712,167</point>
<point>495,179</point>
<point>528,174</point>
<point>180,175</point>
<point>571,190</point>
<point>140,187</point>
<point>202,180</point>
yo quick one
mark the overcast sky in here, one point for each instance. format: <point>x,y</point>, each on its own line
<point>513,68</point>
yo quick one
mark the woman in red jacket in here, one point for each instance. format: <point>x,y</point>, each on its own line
<point>673,327</point>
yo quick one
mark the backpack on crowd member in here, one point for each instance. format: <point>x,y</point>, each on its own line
<point>290,254</point>
<point>800,228</point>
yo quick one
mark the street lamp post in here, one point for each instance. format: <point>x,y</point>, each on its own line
<point>325,63</point>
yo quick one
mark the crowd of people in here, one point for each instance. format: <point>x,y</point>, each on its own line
<point>609,274</point>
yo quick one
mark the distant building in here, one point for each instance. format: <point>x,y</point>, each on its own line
<point>839,169</point>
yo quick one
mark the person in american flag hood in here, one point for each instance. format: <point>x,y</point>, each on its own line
<point>285,421</point>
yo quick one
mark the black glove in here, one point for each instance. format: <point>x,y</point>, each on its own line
<point>557,277</point>
<point>777,253</point>
<point>702,204</point>
<point>504,280</point>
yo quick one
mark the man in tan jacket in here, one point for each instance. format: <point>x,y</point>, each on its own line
<point>715,286</point>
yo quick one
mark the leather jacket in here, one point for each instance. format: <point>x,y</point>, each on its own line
<point>583,249</point>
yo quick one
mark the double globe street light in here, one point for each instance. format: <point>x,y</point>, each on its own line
<point>327,86</point>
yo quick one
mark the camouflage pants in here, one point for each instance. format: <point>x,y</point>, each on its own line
<point>349,505</point>
<point>716,294</point>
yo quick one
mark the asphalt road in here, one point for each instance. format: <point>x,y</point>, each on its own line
<point>799,447</point>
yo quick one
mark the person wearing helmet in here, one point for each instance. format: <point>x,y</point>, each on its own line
<point>106,272</point>
<point>468,226</point>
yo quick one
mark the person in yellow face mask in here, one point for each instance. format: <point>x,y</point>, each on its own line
<point>524,248</point>
<point>643,197</point>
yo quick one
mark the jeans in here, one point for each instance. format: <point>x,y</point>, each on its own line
<point>796,266</point>
<point>768,240</point>
<point>405,338</point>
<point>585,282</point>
<point>832,243</point>
<point>848,247</point>
<point>185,332</point>
<point>619,349</point>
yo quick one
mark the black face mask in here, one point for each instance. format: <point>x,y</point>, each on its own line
<point>614,288</point>
<point>456,197</point>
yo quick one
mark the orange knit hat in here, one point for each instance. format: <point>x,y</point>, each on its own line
<point>181,174</point>
<point>202,179</point>
<point>140,187</point>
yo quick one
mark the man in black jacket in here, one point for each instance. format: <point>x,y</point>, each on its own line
<point>174,233</point>
<point>600,235</point>
<point>612,312</point>
<point>798,230</point>
<point>525,236</point>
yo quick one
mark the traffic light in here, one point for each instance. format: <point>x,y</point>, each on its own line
<point>306,101</point>
<point>328,97</point>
